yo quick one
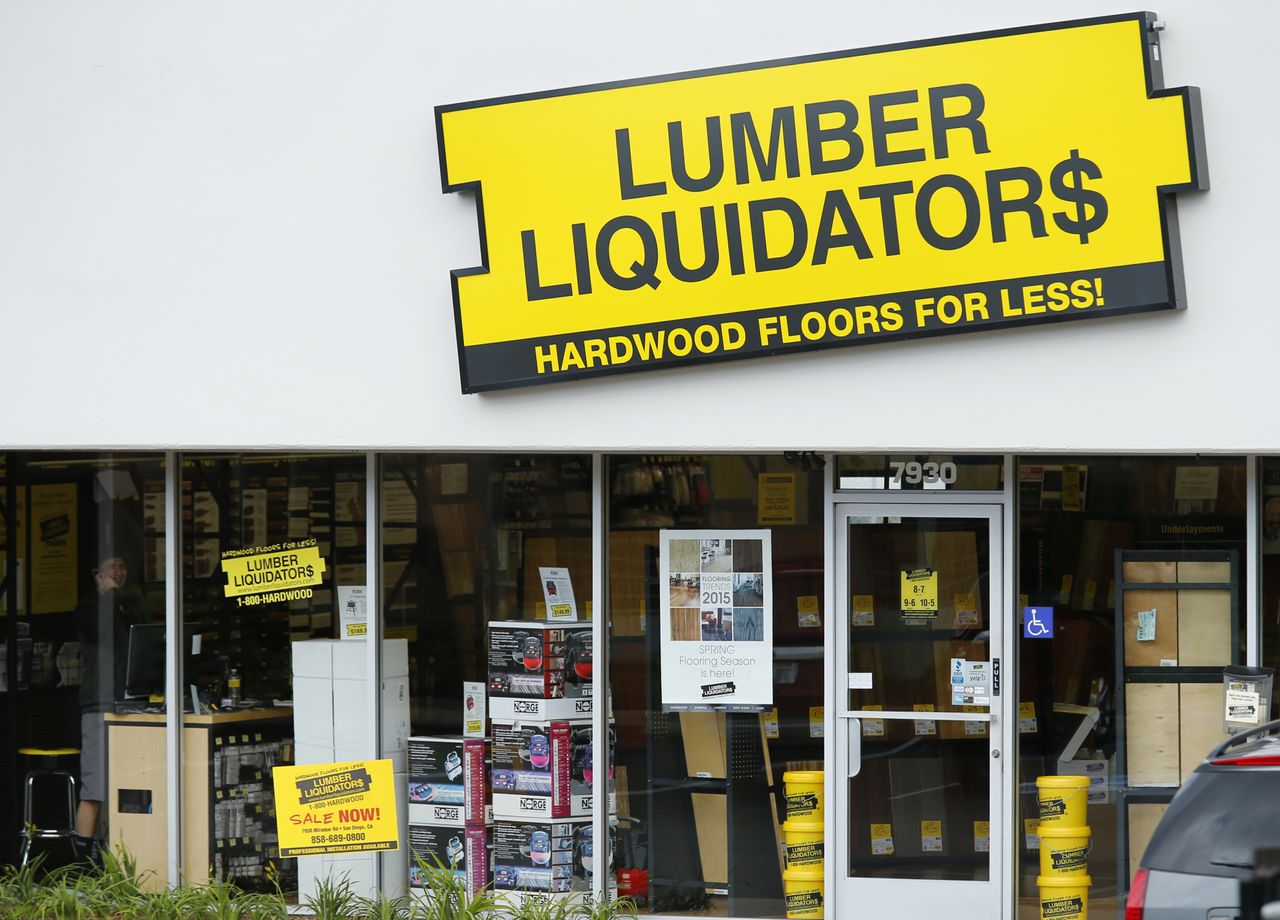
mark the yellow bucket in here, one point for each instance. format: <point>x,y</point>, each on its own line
<point>1064,898</point>
<point>803,891</point>
<point>1064,851</point>
<point>803,790</point>
<point>1063,800</point>
<point>803,842</point>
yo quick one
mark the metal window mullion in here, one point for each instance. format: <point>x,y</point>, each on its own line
<point>600,681</point>
<point>373,619</point>
<point>832,640</point>
<point>173,652</point>
<point>1253,553</point>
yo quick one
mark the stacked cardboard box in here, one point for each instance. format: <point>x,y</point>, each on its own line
<point>449,811</point>
<point>544,759</point>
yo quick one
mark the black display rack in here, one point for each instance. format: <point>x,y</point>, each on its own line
<point>1204,674</point>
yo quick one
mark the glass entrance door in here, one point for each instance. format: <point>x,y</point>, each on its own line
<point>921,710</point>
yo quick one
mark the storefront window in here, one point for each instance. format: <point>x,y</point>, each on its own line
<point>486,600</point>
<point>271,544</point>
<point>717,672</point>
<point>82,641</point>
<point>1131,602</point>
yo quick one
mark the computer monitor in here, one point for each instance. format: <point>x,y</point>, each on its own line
<point>144,676</point>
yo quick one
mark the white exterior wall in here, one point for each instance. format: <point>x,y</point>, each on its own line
<point>221,224</point>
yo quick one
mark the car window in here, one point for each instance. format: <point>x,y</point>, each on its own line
<point>1216,822</point>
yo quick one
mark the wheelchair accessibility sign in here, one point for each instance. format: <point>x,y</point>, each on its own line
<point>1037,622</point>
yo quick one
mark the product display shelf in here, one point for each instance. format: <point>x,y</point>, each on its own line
<point>1163,738</point>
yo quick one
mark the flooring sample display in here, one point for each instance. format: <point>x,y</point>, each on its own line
<point>1205,572</point>
<point>1163,572</point>
<point>704,743</point>
<point>1200,723</point>
<point>1143,818</point>
<point>1164,645</point>
<point>710,816</point>
<point>1151,724</point>
<point>1204,628</point>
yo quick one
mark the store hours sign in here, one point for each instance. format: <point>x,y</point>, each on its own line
<point>950,185</point>
<point>716,619</point>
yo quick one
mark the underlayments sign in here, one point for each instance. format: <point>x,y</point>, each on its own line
<point>952,185</point>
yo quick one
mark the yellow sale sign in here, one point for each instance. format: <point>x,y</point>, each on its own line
<point>336,808</point>
<point>950,185</point>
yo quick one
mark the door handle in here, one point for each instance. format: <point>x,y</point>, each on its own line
<point>854,729</point>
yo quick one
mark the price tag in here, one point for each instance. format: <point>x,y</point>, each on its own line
<point>873,728</point>
<point>769,722</point>
<point>1027,724</point>
<point>925,726</point>
<point>1064,593</point>
<point>864,610</point>
<point>817,721</point>
<point>981,836</point>
<point>931,836</point>
<point>1031,830</point>
<point>966,606</point>
<point>807,615</point>
<point>882,839</point>
<point>1090,595</point>
<point>919,586</point>
<point>975,728</point>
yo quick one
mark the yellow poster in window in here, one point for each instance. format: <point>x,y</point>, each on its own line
<point>336,808</point>
<point>266,574</point>
<point>776,494</point>
<point>55,530</point>
<point>920,592</point>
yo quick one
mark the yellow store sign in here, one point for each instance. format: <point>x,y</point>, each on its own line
<point>336,808</point>
<point>950,185</point>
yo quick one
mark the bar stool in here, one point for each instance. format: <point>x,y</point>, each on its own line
<point>47,764</point>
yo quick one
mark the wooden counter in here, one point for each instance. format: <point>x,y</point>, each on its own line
<point>137,769</point>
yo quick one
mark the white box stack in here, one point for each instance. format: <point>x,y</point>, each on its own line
<point>330,725</point>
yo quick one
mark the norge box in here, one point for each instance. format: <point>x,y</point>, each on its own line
<point>539,670</point>
<point>545,856</point>
<point>464,851</point>
<point>544,769</point>
<point>447,781</point>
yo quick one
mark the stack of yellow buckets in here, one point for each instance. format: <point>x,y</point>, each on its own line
<point>1064,847</point>
<point>802,838</point>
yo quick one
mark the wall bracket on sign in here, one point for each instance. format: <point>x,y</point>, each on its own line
<point>958,179</point>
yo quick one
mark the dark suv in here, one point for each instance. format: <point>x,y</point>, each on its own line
<point>1204,845</point>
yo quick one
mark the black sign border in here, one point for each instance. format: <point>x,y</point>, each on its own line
<point>1153,69</point>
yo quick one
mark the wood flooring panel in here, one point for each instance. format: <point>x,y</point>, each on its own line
<point>1151,726</point>
<point>1200,723</point>
<point>711,819</point>
<point>1165,645</point>
<point>704,743</point>
<point>1160,572</point>
<point>1204,628</point>
<point>1143,818</point>
<point>686,624</point>
<point>1205,572</point>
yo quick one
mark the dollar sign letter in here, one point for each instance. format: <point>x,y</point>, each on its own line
<point>1077,168</point>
